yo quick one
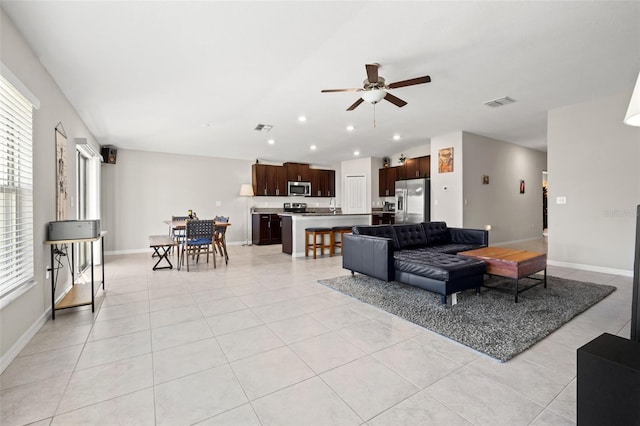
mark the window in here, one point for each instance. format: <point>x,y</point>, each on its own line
<point>16,187</point>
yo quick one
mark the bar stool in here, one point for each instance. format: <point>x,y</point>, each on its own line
<point>315,244</point>
<point>339,230</point>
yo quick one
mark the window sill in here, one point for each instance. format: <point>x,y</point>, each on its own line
<point>15,294</point>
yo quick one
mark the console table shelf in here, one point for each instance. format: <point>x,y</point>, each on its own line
<point>77,296</point>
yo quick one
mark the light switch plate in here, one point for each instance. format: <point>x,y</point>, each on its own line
<point>561,200</point>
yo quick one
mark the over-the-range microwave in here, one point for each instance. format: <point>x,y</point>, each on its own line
<point>299,189</point>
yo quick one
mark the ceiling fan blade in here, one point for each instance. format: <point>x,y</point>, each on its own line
<point>410,82</point>
<point>340,90</point>
<point>355,104</point>
<point>395,100</point>
<point>372,73</point>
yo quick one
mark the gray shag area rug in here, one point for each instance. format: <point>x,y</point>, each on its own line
<point>491,323</point>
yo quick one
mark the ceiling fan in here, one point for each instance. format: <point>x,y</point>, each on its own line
<point>375,89</point>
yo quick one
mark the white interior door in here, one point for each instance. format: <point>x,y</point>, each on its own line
<point>355,194</point>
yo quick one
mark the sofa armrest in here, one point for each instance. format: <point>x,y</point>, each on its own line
<point>469,236</point>
<point>371,256</point>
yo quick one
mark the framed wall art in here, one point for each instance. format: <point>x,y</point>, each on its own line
<point>445,160</point>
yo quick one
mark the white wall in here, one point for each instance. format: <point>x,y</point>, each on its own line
<point>25,315</point>
<point>513,216</point>
<point>446,205</point>
<point>594,162</point>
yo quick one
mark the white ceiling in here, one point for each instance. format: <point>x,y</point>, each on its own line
<point>147,75</point>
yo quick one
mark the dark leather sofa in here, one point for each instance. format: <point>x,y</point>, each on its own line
<point>419,254</point>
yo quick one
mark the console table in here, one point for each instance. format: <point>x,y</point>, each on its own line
<point>77,296</point>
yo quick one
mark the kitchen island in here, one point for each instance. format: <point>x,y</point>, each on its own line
<point>294,224</point>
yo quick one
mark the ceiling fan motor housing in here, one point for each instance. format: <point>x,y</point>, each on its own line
<point>373,86</point>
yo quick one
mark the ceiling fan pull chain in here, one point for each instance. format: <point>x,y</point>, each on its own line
<point>374,116</point>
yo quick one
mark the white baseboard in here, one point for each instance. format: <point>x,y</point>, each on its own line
<point>133,251</point>
<point>590,268</point>
<point>524,240</point>
<point>19,345</point>
<point>149,250</point>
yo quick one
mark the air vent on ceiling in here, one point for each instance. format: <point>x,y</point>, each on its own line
<point>500,102</point>
<point>263,127</point>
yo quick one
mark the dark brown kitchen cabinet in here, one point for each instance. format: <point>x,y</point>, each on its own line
<point>269,180</point>
<point>280,179</point>
<point>330,179</point>
<point>298,172</point>
<point>414,168</point>
<point>419,167</point>
<point>259,179</point>
<point>387,181</point>
<point>410,168</point>
<point>323,183</point>
<point>379,218</point>
<point>287,234</point>
<point>266,229</point>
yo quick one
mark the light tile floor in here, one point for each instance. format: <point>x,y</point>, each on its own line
<point>260,342</point>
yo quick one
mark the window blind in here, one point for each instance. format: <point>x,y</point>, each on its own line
<point>16,189</point>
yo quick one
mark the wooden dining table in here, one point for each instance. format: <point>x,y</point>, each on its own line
<point>182,224</point>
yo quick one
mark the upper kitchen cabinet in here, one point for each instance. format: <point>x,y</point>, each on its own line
<point>419,167</point>
<point>298,172</point>
<point>387,181</point>
<point>323,183</point>
<point>269,180</point>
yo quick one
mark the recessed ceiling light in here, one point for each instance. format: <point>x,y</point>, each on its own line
<point>302,119</point>
<point>313,147</point>
<point>350,128</point>
<point>396,137</point>
<point>271,141</point>
<point>356,153</point>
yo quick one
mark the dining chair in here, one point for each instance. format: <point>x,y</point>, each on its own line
<point>175,233</point>
<point>198,239</point>
<point>220,241</point>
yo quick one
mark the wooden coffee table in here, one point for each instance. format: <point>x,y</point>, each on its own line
<point>510,263</point>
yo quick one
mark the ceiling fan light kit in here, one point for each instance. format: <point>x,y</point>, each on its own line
<point>375,89</point>
<point>373,96</point>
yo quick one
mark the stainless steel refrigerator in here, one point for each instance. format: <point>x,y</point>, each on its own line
<point>413,201</point>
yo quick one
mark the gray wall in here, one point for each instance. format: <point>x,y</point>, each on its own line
<point>594,162</point>
<point>143,189</point>
<point>512,216</point>
<point>22,317</point>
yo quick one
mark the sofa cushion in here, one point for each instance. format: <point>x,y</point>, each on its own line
<point>437,233</point>
<point>437,266</point>
<point>451,248</point>
<point>384,231</point>
<point>410,235</point>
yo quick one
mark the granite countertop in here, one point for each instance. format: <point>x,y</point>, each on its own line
<point>323,214</point>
